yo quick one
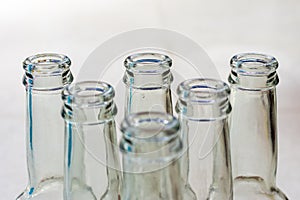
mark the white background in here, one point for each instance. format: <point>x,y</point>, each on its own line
<point>76,28</point>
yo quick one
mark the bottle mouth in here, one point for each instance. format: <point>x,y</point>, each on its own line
<point>203,91</point>
<point>46,64</point>
<point>88,93</point>
<point>150,140</point>
<point>150,126</point>
<point>253,64</point>
<point>148,63</point>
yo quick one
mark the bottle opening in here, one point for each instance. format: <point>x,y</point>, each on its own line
<point>88,93</point>
<point>151,138</point>
<point>204,91</point>
<point>150,126</point>
<point>152,63</point>
<point>253,71</point>
<point>203,99</point>
<point>150,141</point>
<point>47,63</point>
<point>253,64</point>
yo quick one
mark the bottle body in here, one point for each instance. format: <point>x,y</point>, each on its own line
<point>151,147</point>
<point>45,77</point>
<point>203,107</point>
<point>253,126</point>
<point>147,79</point>
<point>91,160</point>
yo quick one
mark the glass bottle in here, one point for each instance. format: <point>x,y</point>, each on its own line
<point>151,147</point>
<point>91,151</point>
<point>203,107</point>
<point>45,77</point>
<point>147,79</point>
<point>253,126</point>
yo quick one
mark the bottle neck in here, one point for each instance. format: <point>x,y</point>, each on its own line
<point>148,92</point>
<point>91,155</point>
<point>151,148</point>
<point>203,107</point>
<point>253,123</point>
<point>164,183</point>
<point>148,78</point>
<point>90,141</point>
<point>206,157</point>
<point>43,110</point>
<point>45,77</point>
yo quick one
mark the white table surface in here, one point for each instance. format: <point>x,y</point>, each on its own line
<point>76,28</point>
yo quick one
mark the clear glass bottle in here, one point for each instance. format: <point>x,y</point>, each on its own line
<point>148,79</point>
<point>203,107</point>
<point>151,147</point>
<point>91,151</point>
<point>45,77</point>
<point>253,126</point>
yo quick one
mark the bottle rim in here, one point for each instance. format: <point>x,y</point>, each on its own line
<point>148,63</point>
<point>47,64</point>
<point>152,139</point>
<point>88,93</point>
<point>150,126</point>
<point>253,64</point>
<point>203,90</point>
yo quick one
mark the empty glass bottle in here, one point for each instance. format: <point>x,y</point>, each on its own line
<point>147,79</point>
<point>91,154</point>
<point>151,147</point>
<point>253,126</point>
<point>203,107</point>
<point>45,76</point>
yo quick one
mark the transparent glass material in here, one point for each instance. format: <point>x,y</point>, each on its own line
<point>253,126</point>
<point>91,154</point>
<point>45,77</point>
<point>151,147</point>
<point>147,79</point>
<point>203,107</point>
